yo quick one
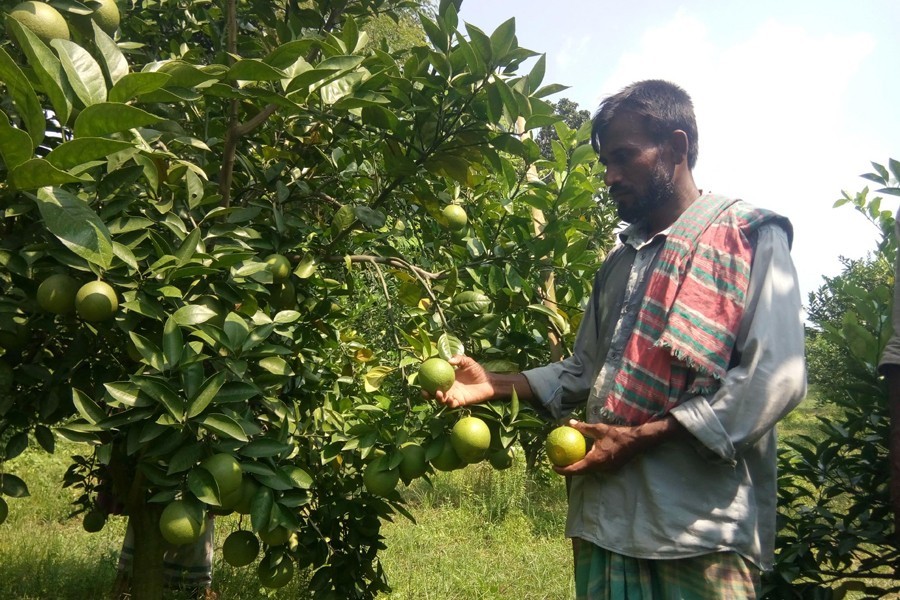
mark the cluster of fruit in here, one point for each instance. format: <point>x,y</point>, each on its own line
<point>48,23</point>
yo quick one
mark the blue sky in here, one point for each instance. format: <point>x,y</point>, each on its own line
<point>794,98</point>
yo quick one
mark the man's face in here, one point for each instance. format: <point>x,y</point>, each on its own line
<point>640,182</point>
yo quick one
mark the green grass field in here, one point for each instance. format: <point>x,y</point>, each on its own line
<point>479,535</point>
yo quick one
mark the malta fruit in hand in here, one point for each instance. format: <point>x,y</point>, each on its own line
<point>436,374</point>
<point>471,439</point>
<point>565,445</point>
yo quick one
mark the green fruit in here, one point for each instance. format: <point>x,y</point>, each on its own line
<point>275,570</point>
<point>471,303</point>
<point>106,16</point>
<point>4,510</point>
<point>412,464</point>
<point>380,481</point>
<point>279,266</point>
<point>226,470</point>
<point>56,294</point>
<point>248,491</point>
<point>456,217</point>
<point>240,548</point>
<point>94,521</point>
<point>448,459</point>
<point>275,537</point>
<point>436,374</point>
<point>565,445</point>
<point>96,301</point>
<point>471,439</point>
<point>42,19</point>
<point>180,525</point>
<point>284,296</point>
<point>501,459</point>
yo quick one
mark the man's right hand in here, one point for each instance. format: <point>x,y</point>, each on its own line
<point>472,385</point>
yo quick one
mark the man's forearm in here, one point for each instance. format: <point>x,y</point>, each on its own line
<point>504,384</point>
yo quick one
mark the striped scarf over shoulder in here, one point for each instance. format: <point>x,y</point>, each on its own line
<point>685,332</point>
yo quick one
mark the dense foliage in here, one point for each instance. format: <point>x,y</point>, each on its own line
<point>835,523</point>
<point>173,159</point>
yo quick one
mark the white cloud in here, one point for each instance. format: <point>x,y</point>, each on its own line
<point>571,52</point>
<point>769,109</point>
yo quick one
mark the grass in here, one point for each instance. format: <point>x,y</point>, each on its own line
<point>479,535</point>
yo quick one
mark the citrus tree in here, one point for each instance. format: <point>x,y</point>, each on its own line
<point>836,531</point>
<point>231,233</point>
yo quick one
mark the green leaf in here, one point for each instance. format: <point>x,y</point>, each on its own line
<point>12,486</point>
<point>133,85</point>
<point>265,448</point>
<point>369,216</point>
<point>581,154</point>
<point>375,376</point>
<point>549,90</point>
<point>114,63</point>
<point>44,437</point>
<point>449,345</point>
<point>894,166</point>
<point>24,97</point>
<point>513,405</point>
<point>160,391</point>
<point>206,395</point>
<point>261,509</point>
<point>306,268</point>
<point>16,445</point>
<point>435,35</point>
<point>471,303</point>
<point>193,314</point>
<point>83,72</point>
<point>15,144</point>
<point>48,69</point>
<point>535,121</point>
<point>185,458</point>
<point>300,478</point>
<point>536,76</point>
<point>111,117</point>
<point>82,150</point>
<point>173,343</point>
<point>225,426</point>
<point>254,70</point>
<point>276,366</point>
<point>188,247</point>
<point>38,172</point>
<point>78,227</point>
<point>125,392</point>
<point>203,485</point>
<point>236,330</point>
<point>89,410</point>
<point>503,38</point>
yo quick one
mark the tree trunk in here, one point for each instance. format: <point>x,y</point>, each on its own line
<point>147,568</point>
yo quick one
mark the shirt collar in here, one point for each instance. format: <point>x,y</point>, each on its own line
<point>636,236</point>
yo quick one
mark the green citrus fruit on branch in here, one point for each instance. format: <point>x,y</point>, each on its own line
<point>94,520</point>
<point>106,16</point>
<point>226,470</point>
<point>56,294</point>
<point>456,217</point>
<point>279,266</point>
<point>378,480</point>
<point>96,301</point>
<point>42,19</point>
<point>436,374</point>
<point>447,459</point>
<point>240,548</point>
<point>4,510</point>
<point>275,570</point>
<point>412,464</point>
<point>275,537</point>
<point>471,439</point>
<point>565,445</point>
<point>180,525</point>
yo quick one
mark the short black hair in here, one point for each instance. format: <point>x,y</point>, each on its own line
<point>662,106</point>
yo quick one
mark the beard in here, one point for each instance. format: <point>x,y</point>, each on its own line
<point>659,192</point>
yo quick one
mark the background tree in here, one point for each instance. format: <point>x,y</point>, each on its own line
<point>254,194</point>
<point>835,523</point>
<point>573,118</point>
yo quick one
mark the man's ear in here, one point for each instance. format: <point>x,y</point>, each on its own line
<point>679,144</point>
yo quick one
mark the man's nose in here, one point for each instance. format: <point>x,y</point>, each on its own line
<point>611,176</point>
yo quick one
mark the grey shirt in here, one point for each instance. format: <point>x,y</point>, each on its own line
<point>716,491</point>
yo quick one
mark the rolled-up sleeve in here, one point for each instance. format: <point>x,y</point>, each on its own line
<point>770,378</point>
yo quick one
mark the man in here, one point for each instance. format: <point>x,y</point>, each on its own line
<point>689,352</point>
